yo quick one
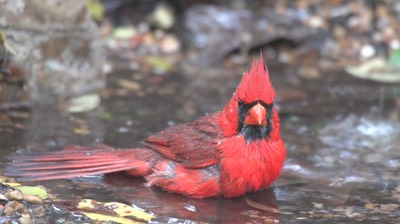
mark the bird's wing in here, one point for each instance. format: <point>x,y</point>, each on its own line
<point>74,161</point>
<point>194,145</point>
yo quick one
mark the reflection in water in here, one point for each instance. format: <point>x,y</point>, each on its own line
<point>216,210</point>
<point>52,128</point>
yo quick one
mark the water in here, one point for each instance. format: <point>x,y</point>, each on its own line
<point>342,163</point>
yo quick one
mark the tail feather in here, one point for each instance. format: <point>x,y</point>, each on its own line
<point>36,166</point>
<point>84,161</point>
<point>60,156</point>
<point>59,174</point>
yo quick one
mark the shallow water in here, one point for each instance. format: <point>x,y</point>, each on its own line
<point>343,154</point>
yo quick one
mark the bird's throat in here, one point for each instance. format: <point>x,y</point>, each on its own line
<point>254,133</point>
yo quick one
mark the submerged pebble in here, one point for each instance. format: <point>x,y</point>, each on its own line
<point>13,194</point>
<point>19,207</point>
<point>33,199</point>
<point>14,206</point>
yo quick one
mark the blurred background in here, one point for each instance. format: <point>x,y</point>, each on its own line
<point>114,71</point>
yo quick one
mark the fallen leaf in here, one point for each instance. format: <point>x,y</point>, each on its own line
<point>125,210</point>
<point>266,208</point>
<point>83,103</point>
<point>7,181</point>
<point>95,9</point>
<point>369,206</point>
<point>12,184</point>
<point>163,16</point>
<point>33,190</point>
<point>125,32</point>
<point>309,72</point>
<point>158,63</point>
<point>128,84</point>
<point>119,209</point>
<point>81,131</point>
<point>394,58</point>
<point>377,69</point>
<point>101,217</point>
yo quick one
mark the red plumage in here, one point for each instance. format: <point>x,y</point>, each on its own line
<point>227,153</point>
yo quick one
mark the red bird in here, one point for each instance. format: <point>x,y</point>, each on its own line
<point>227,153</point>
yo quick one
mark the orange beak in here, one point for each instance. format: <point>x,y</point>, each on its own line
<point>256,116</point>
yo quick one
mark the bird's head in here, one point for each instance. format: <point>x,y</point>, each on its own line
<point>250,111</point>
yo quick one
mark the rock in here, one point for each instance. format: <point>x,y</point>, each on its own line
<point>3,199</point>
<point>388,207</point>
<point>210,27</point>
<point>318,205</point>
<point>57,46</point>
<point>215,31</point>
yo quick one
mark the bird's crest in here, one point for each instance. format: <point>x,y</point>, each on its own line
<point>255,84</point>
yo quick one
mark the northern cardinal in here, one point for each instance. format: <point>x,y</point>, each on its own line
<point>227,153</point>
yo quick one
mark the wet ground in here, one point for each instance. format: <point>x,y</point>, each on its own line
<point>341,134</point>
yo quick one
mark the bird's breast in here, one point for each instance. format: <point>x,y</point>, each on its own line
<point>249,167</point>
